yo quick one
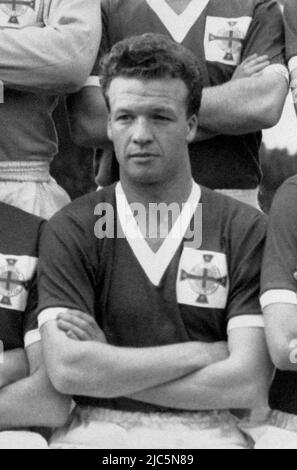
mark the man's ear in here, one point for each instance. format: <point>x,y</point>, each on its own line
<point>109,132</point>
<point>192,122</point>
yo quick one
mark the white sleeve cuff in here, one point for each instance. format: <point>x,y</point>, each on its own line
<point>245,321</point>
<point>278,296</point>
<point>292,64</point>
<point>93,80</point>
<point>279,69</point>
<point>32,337</point>
<point>49,314</point>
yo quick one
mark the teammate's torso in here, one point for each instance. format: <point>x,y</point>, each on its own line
<point>18,259</point>
<point>28,132</point>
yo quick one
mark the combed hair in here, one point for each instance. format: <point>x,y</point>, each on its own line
<point>153,56</point>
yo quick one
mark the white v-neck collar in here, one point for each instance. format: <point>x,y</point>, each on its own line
<point>155,264</point>
<point>178,25</point>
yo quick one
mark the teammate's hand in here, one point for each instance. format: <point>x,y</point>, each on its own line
<point>251,66</point>
<point>80,327</point>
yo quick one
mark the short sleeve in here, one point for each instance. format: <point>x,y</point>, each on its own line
<point>246,257</point>
<point>266,33</point>
<point>105,43</point>
<point>290,20</point>
<point>66,271</point>
<point>279,271</point>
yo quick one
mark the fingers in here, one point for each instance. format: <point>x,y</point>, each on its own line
<point>77,320</point>
<point>72,331</point>
<point>254,58</point>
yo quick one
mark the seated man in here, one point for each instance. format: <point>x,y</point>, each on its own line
<point>152,320</point>
<point>279,302</point>
<point>27,399</point>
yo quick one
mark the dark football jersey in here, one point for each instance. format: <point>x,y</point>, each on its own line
<point>192,289</point>
<point>19,237</point>
<point>221,34</point>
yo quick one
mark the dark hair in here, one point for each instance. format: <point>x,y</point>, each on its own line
<point>153,56</point>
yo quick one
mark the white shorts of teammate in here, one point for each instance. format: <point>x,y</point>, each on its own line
<point>99,428</point>
<point>29,186</point>
<point>277,431</point>
<point>22,440</point>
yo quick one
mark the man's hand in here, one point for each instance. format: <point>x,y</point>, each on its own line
<point>80,327</point>
<point>253,65</point>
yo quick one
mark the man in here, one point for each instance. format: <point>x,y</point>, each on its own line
<point>149,301</point>
<point>27,399</point>
<point>47,48</point>
<point>240,48</point>
<point>278,299</point>
<point>290,12</point>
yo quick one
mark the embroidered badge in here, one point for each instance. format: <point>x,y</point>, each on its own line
<point>202,279</point>
<point>224,37</point>
<point>16,13</point>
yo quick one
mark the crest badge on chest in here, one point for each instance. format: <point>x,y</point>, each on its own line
<point>202,279</point>
<point>224,39</point>
<point>18,13</point>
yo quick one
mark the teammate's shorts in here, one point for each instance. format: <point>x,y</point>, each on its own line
<point>248,196</point>
<point>29,186</point>
<point>22,440</point>
<point>277,431</point>
<point>100,428</point>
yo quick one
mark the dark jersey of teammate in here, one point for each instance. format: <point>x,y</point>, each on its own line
<point>220,34</point>
<point>290,15</point>
<point>19,237</point>
<point>279,279</point>
<point>191,291</point>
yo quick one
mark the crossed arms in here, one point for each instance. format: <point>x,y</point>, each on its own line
<point>193,376</point>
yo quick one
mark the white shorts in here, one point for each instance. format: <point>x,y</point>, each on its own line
<point>277,431</point>
<point>99,428</point>
<point>29,186</point>
<point>22,440</point>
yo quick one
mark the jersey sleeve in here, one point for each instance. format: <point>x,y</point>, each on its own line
<point>266,33</point>
<point>66,273</point>
<point>104,48</point>
<point>56,56</point>
<point>279,272</point>
<point>243,308</point>
<point>290,15</point>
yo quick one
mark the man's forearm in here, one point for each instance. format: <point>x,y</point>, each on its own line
<point>220,386</point>
<point>14,367</point>
<point>32,402</point>
<point>243,106</point>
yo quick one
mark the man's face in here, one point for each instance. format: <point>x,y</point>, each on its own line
<point>149,127</point>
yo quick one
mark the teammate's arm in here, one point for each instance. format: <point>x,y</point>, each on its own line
<point>98,369</point>
<point>240,381</point>
<point>33,401</point>
<point>13,367</point>
<point>245,105</point>
<point>57,57</point>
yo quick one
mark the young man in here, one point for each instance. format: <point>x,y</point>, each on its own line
<point>170,325</point>
<point>47,48</point>
<point>240,48</point>
<point>278,299</point>
<point>27,399</point>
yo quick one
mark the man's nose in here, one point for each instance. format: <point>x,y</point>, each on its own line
<point>142,133</point>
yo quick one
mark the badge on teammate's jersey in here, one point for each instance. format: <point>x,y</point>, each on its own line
<point>19,13</point>
<point>15,273</point>
<point>202,279</point>
<point>224,37</point>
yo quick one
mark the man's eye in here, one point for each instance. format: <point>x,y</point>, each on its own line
<point>124,117</point>
<point>160,117</point>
